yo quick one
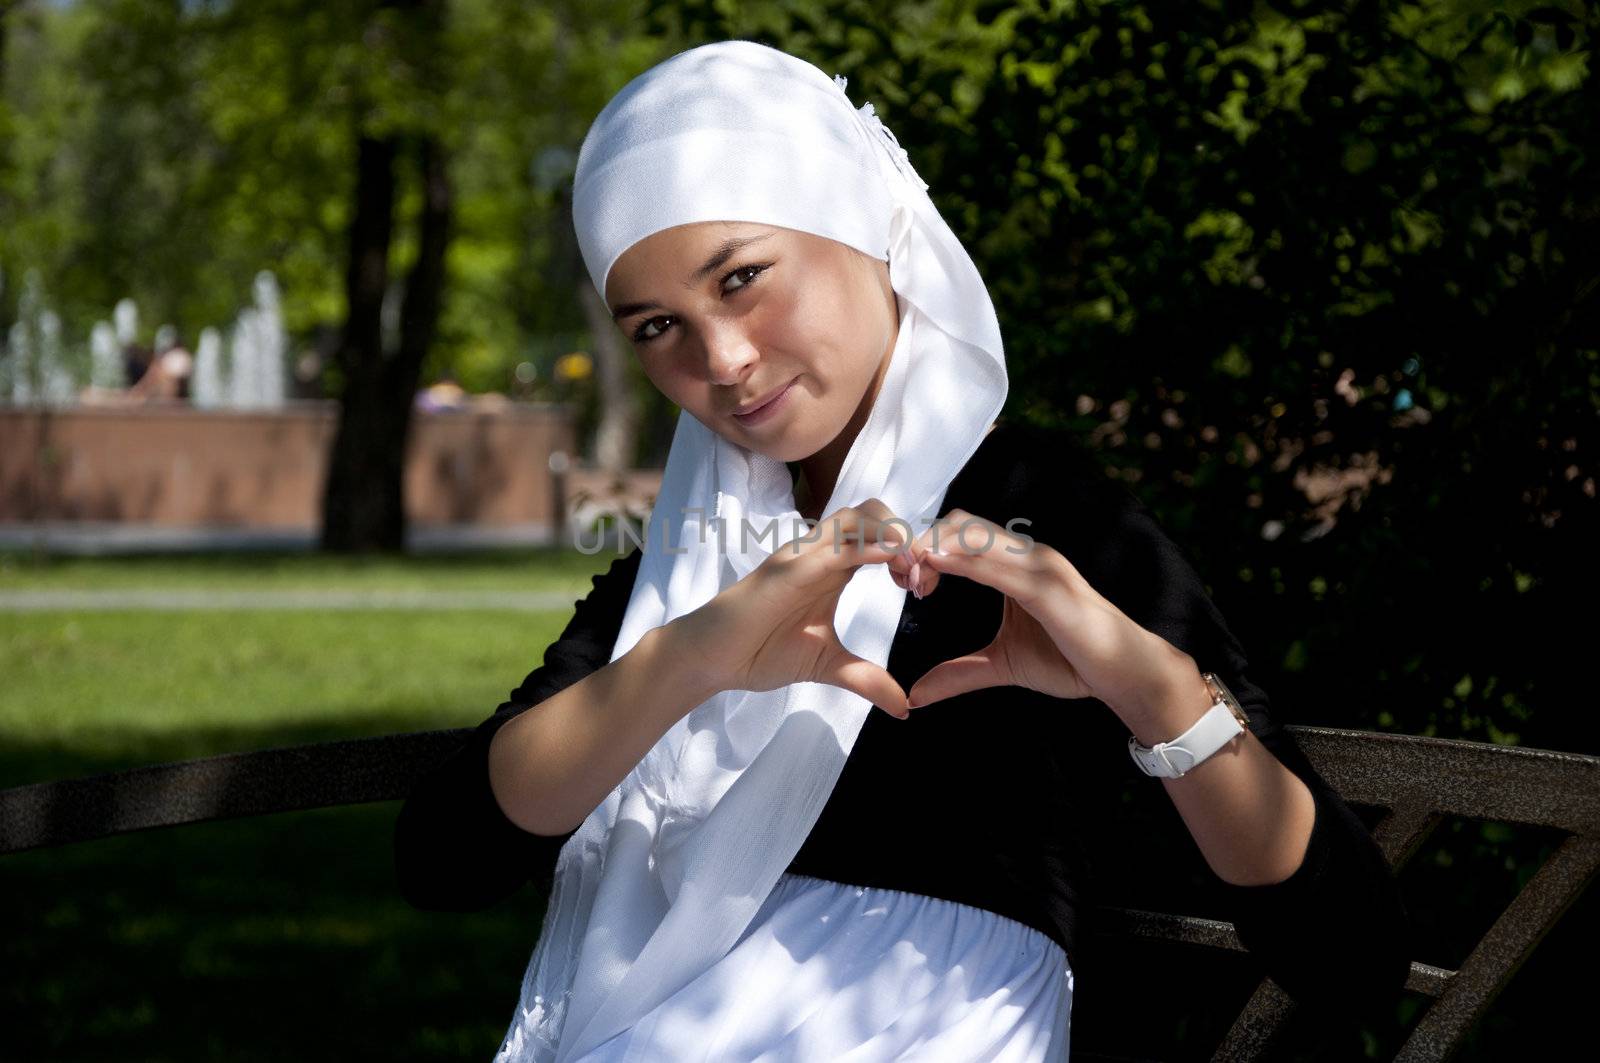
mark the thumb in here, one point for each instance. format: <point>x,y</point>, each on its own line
<point>861,676</point>
<point>975,671</point>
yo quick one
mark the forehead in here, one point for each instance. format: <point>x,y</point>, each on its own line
<point>691,237</point>
<point>685,254</point>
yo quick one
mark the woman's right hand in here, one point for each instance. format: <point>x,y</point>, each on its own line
<point>775,626</point>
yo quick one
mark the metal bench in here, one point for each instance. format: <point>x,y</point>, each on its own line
<point>1417,781</point>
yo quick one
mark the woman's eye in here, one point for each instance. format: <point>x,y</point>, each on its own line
<point>642,336</point>
<point>739,273</point>
<point>744,275</point>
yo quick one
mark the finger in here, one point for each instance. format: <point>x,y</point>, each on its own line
<point>907,569</point>
<point>828,550</point>
<point>993,568</point>
<point>910,574</point>
<point>853,522</point>
<point>860,676</point>
<point>900,565</point>
<point>873,518</point>
<point>961,532</point>
<point>849,539</point>
<point>960,675</point>
<point>875,509</point>
<point>957,531</point>
<point>921,578</point>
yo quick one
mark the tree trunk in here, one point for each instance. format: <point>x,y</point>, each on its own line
<point>616,436</point>
<point>363,502</point>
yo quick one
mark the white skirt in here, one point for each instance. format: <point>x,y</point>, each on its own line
<point>833,972</point>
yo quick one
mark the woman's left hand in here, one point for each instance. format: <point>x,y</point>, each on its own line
<point>1058,635</point>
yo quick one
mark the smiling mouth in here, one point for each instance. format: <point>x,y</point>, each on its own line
<point>763,405</point>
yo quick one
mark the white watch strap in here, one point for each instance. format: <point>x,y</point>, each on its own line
<point>1171,760</point>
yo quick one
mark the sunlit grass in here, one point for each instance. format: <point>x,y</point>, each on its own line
<point>100,690</point>
<point>276,937</point>
<point>90,691</point>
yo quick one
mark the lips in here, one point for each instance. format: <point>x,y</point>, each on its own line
<point>745,411</point>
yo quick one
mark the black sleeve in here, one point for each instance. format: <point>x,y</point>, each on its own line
<point>454,848</point>
<point>1335,934</point>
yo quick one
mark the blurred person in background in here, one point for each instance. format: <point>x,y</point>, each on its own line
<point>166,377</point>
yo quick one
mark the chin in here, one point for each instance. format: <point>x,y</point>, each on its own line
<point>778,450</point>
<point>800,442</point>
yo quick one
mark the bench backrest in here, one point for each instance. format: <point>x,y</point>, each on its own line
<point>1416,780</point>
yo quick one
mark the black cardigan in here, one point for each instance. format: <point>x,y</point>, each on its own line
<point>1004,799</point>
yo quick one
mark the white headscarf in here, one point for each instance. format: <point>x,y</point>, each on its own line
<point>663,877</point>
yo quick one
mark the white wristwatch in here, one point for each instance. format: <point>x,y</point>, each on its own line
<point>1224,720</point>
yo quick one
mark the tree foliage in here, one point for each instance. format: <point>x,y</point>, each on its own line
<point>1318,280</point>
<point>169,151</point>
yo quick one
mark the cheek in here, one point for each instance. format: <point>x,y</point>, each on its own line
<point>819,331</point>
<point>784,316</point>
<point>853,346</point>
<point>672,381</point>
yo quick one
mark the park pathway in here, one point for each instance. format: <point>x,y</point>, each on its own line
<point>57,601</point>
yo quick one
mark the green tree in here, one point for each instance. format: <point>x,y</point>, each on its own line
<point>170,151</point>
<point>1318,280</point>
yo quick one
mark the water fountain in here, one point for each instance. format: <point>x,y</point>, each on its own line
<point>37,367</point>
<point>206,389</point>
<point>273,340</point>
<point>242,355</point>
<point>257,349</point>
<point>108,370</point>
<point>126,316</point>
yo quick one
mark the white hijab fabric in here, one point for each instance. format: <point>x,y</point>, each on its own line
<point>665,874</point>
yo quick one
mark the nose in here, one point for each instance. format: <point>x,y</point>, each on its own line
<point>729,352</point>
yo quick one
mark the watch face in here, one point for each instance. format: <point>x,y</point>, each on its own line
<point>1226,696</point>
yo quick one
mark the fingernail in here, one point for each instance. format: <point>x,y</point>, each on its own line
<point>915,579</point>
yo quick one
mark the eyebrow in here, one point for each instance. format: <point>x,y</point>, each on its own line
<point>726,250</point>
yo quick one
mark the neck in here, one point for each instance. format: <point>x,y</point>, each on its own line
<point>820,472</point>
<point>822,468</point>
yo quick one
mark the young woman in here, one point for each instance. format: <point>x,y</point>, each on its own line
<point>747,861</point>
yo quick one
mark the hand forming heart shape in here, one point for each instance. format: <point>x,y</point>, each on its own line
<point>1057,635</point>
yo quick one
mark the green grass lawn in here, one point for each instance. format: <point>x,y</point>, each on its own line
<point>95,691</point>
<point>272,938</point>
